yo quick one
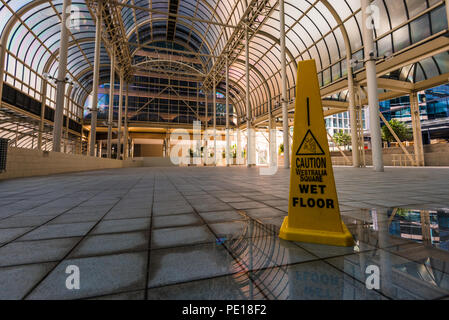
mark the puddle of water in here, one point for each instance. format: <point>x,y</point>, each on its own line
<point>430,227</point>
<point>399,242</point>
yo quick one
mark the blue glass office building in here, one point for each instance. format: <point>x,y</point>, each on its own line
<point>434,109</point>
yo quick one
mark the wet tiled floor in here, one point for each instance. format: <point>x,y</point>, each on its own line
<point>211,233</point>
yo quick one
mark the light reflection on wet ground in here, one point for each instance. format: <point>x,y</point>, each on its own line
<point>409,248</point>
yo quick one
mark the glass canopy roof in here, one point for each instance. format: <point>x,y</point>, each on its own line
<point>204,27</point>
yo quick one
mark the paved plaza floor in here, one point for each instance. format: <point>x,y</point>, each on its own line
<point>211,233</point>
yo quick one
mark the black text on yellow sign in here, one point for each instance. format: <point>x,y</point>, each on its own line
<point>313,212</point>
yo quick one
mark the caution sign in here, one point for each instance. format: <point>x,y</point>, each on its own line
<point>310,146</point>
<point>313,212</point>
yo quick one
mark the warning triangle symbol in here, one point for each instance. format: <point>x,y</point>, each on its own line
<point>310,146</point>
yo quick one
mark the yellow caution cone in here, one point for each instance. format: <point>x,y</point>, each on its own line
<point>313,211</point>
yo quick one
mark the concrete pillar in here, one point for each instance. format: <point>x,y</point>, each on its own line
<point>125,124</point>
<point>284,86</point>
<point>96,80</point>
<point>132,148</point>
<point>228,138</point>
<point>417,131</point>
<point>353,120</point>
<point>42,120</point>
<point>272,148</point>
<point>373,98</point>
<point>240,160</point>
<point>215,122</point>
<point>206,136</point>
<point>61,80</point>
<point>249,147</point>
<point>119,121</point>
<point>67,119</point>
<point>111,104</point>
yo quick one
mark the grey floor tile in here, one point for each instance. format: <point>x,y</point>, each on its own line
<point>233,199</point>
<point>98,276</point>
<point>59,231</point>
<point>221,216</point>
<point>264,213</point>
<point>7,235</point>
<point>283,208</point>
<point>311,281</point>
<point>176,221</point>
<point>25,252</point>
<point>122,225</point>
<point>172,237</point>
<point>276,203</point>
<point>171,210</point>
<point>176,265</point>
<point>128,213</point>
<point>247,205</point>
<point>235,287</point>
<point>111,243</point>
<point>17,281</point>
<point>214,206</point>
<point>133,295</point>
<point>275,221</point>
<point>90,210</point>
<point>265,198</point>
<point>77,217</point>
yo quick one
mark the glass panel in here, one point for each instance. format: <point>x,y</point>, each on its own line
<point>438,19</point>
<point>420,28</point>
<point>401,38</point>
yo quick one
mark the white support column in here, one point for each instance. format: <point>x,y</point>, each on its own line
<point>125,125</point>
<point>215,122</point>
<point>240,160</point>
<point>373,98</point>
<point>249,145</point>
<point>417,130</point>
<point>284,101</point>
<point>67,119</point>
<point>272,144</point>
<point>111,104</point>
<point>96,81</point>
<point>61,80</point>
<point>353,118</point>
<point>119,121</point>
<point>42,120</point>
<point>206,137</point>
<point>228,138</point>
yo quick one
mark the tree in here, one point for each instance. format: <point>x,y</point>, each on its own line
<point>342,139</point>
<point>403,132</point>
<point>281,149</point>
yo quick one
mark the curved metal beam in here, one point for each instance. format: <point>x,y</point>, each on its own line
<point>6,32</point>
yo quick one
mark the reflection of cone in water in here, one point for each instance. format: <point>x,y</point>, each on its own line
<point>313,212</point>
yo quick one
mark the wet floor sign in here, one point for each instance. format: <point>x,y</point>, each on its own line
<point>313,211</point>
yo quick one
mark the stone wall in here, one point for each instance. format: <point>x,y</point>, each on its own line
<point>435,155</point>
<point>27,163</point>
<point>155,162</point>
